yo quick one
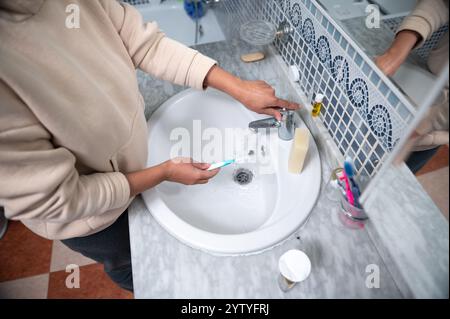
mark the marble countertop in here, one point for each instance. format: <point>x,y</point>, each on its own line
<point>341,257</point>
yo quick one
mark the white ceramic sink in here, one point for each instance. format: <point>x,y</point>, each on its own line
<point>225,217</point>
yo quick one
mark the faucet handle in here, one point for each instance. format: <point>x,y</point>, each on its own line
<point>286,113</point>
<point>287,128</point>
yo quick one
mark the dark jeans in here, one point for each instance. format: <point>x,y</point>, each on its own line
<point>110,247</point>
<point>417,160</point>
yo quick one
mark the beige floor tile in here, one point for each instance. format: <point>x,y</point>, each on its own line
<point>436,185</point>
<point>63,256</point>
<point>35,287</point>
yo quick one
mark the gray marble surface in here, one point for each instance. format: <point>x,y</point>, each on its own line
<point>411,234</point>
<point>163,267</point>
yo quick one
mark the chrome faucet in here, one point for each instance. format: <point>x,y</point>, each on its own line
<point>286,127</point>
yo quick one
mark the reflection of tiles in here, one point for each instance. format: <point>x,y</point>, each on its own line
<point>23,254</point>
<point>363,111</point>
<point>25,288</point>
<point>94,283</point>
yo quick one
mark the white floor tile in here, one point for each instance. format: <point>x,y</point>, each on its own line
<point>63,256</point>
<point>35,287</point>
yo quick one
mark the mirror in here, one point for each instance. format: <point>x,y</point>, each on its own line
<point>391,34</point>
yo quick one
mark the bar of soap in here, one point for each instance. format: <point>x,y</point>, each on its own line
<point>252,57</point>
<point>299,149</point>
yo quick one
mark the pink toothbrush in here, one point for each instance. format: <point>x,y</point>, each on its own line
<point>348,189</point>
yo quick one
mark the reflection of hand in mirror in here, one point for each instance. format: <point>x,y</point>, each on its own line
<point>393,58</point>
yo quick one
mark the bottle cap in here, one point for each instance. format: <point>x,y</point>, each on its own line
<point>294,73</point>
<point>319,98</point>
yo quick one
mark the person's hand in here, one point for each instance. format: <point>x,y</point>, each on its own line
<point>389,62</point>
<point>180,170</point>
<point>185,171</point>
<point>257,96</point>
<point>260,97</point>
<point>396,55</point>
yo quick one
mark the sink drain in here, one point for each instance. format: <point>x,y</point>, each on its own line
<point>243,176</point>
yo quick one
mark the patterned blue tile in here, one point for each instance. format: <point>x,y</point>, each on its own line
<point>364,128</point>
<point>338,135</point>
<point>358,59</point>
<point>380,123</point>
<point>344,145</point>
<point>309,34</point>
<point>323,51</point>
<point>333,127</point>
<point>358,93</point>
<point>372,139</point>
<point>375,78</point>
<point>346,118</point>
<point>351,52</point>
<point>337,37</point>
<point>384,89</point>
<point>341,71</point>
<point>359,138</point>
<point>366,69</point>
<point>352,127</point>
<point>362,157</point>
<point>369,168</point>
<point>364,108</point>
<point>393,99</point>
<point>403,111</point>
<point>296,15</point>
<point>355,146</point>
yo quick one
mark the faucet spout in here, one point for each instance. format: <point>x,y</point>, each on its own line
<point>286,127</point>
<point>270,122</point>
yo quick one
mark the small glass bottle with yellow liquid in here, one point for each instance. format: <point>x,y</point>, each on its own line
<point>317,105</point>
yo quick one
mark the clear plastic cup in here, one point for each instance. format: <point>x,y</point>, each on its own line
<point>350,215</point>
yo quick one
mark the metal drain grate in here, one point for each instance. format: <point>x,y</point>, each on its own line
<point>243,176</point>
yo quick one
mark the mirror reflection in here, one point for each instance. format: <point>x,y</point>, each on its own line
<point>408,41</point>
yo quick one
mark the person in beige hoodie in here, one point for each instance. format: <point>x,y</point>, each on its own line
<point>427,17</point>
<point>73,136</point>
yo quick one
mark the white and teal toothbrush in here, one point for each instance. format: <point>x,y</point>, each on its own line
<point>221,164</point>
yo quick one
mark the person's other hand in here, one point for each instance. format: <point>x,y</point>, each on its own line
<point>260,97</point>
<point>389,62</point>
<point>185,171</point>
<point>393,58</point>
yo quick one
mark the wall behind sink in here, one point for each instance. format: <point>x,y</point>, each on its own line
<point>363,112</point>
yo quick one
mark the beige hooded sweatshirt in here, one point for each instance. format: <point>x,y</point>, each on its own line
<point>71,115</point>
<point>427,17</point>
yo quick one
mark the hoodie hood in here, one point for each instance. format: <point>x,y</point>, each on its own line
<point>19,10</point>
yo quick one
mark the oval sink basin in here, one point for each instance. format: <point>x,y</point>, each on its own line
<point>251,205</point>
